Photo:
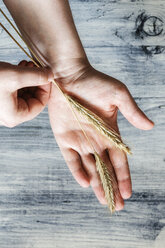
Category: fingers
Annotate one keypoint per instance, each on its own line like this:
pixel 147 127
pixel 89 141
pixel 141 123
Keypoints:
pixel 32 76
pixel 90 167
pixel 74 163
pixel 131 111
pixel 119 203
pixel 95 182
pixel 31 100
pixel 23 63
pixel 26 103
pixel 17 77
pixel 41 93
pixel 29 107
pixel 26 63
pixel 120 164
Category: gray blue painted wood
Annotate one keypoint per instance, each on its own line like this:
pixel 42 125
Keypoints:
pixel 40 203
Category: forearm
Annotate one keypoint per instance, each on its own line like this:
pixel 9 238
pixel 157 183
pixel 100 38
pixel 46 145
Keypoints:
pixel 49 26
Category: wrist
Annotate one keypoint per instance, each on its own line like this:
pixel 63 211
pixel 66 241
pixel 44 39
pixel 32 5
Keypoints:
pixel 67 71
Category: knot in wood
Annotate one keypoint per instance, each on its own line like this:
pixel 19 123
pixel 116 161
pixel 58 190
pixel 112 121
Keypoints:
pixel 153 26
pixel 148 25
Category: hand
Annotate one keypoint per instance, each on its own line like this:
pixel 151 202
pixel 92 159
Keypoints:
pixel 60 48
pixel 24 92
pixel 103 95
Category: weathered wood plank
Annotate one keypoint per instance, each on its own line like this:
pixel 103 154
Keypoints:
pixel 143 75
pixel 40 203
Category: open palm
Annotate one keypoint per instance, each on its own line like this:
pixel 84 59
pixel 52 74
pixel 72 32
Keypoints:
pixel 103 95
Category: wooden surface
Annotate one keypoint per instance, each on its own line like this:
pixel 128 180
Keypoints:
pixel 40 203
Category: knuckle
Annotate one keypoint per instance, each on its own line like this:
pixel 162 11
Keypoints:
pixel 121 88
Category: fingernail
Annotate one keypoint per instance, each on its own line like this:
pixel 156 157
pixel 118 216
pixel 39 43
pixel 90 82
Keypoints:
pixel 126 194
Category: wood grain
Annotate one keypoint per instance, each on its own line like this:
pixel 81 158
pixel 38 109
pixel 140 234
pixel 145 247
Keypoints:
pixel 40 203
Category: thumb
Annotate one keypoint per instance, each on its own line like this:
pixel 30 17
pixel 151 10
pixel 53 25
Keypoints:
pixel 19 77
pixel 27 77
pixel 132 112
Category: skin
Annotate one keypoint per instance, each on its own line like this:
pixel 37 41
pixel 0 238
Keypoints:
pixel 24 92
pixel 103 95
pixel 59 47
